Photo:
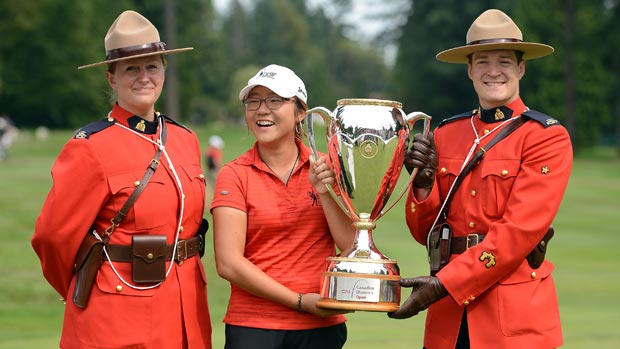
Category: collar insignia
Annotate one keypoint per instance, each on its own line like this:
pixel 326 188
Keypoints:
pixel 499 114
pixel 141 126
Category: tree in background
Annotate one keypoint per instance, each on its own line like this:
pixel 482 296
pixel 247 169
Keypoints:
pixel 44 41
pixel 574 84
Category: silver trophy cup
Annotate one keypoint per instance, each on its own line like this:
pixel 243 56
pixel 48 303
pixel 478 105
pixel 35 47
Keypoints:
pixel 366 144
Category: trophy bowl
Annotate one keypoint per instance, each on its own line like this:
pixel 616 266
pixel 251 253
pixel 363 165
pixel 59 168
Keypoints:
pixel 366 144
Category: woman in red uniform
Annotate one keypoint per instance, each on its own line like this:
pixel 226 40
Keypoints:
pixel 491 293
pixel 275 224
pixel 159 301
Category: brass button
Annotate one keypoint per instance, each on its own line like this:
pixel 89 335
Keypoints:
pixel 533 275
pixel 136 183
pixel 180 263
pixel 472 298
pixel 119 288
pixel 110 119
pixel 412 207
pixel 473 193
pixel 543 243
pixel 443 170
pixel 504 173
pixel 149 256
pixel 201 176
pixel 466 303
pixel 486 131
pixel 472 224
pixel 181 228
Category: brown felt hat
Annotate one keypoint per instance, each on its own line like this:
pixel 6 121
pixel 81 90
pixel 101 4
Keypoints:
pixel 132 36
pixel 494 30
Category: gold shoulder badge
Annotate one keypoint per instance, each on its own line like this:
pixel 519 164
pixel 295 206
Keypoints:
pixel 551 121
pixel 80 135
pixel 489 258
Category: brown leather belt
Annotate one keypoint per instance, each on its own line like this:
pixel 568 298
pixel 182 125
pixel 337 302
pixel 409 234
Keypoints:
pixel 185 249
pixel 460 244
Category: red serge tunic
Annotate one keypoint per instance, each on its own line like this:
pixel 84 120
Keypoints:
pixel 287 237
pixel 93 177
pixel 512 196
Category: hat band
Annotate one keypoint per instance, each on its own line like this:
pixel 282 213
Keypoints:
pixel 135 50
pixel 493 41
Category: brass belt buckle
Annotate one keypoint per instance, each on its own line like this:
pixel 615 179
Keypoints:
pixel 181 251
pixel 474 238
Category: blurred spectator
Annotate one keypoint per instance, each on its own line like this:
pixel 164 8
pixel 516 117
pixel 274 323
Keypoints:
pixel 8 133
pixel 213 158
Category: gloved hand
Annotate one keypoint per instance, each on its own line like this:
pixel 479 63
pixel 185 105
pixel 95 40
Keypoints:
pixel 422 154
pixel 425 290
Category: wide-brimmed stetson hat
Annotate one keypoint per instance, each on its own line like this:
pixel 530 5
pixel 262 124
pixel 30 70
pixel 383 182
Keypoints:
pixel 494 30
pixel 132 36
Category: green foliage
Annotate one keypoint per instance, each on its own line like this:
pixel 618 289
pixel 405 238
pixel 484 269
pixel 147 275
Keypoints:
pixel 577 84
pixel 44 41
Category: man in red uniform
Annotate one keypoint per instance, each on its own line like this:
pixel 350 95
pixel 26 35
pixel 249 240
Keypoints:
pixel 490 294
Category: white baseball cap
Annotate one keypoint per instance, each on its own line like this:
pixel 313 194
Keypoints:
pixel 216 141
pixel 281 80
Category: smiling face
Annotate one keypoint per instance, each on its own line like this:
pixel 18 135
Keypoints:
pixel 272 127
pixel 138 84
pixel 496 76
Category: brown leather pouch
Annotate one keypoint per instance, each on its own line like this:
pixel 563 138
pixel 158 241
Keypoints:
pixel 87 263
pixel 148 258
pixel 537 256
pixel 438 247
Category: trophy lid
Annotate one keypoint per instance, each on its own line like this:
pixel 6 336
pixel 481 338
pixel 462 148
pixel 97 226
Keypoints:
pixel 368 101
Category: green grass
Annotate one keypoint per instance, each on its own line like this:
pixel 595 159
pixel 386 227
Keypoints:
pixel 584 251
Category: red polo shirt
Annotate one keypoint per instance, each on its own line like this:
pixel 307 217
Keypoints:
pixel 287 237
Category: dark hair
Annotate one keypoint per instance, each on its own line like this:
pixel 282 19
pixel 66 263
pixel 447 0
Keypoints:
pixel 300 107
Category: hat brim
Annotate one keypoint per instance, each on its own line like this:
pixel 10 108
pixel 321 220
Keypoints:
pixel 166 52
pixel 243 94
pixel 530 50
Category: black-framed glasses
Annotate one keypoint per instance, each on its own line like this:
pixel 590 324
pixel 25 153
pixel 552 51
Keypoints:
pixel 273 103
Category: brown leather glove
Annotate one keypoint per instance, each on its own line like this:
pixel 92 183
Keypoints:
pixel 422 155
pixel 425 290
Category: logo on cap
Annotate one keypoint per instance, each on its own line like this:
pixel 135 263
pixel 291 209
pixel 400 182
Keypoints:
pixel 267 74
pixel 302 91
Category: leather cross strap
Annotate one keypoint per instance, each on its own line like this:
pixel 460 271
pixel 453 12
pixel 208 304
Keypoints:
pixel 503 133
pixel 153 165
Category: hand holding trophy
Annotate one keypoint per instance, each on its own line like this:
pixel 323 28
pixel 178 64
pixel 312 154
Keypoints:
pixel 366 144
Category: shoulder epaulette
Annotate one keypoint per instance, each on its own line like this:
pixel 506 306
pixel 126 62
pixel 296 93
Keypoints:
pixel 174 122
pixel 92 128
pixel 543 119
pixel 457 117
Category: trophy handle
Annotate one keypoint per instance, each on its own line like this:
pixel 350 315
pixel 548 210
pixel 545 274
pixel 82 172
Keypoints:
pixel 411 119
pixel 326 115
